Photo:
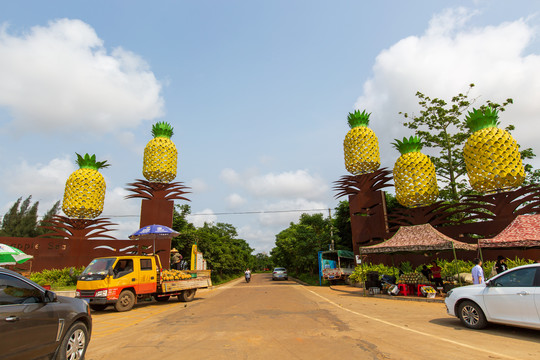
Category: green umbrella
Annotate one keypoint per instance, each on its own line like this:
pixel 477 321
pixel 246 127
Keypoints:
pixel 11 256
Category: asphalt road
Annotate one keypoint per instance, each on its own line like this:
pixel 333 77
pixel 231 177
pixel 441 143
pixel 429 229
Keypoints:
pixel 285 320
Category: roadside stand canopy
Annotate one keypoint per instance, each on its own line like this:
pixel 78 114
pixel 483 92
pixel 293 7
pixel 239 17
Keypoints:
pixel 523 232
pixel 417 238
pixel 12 256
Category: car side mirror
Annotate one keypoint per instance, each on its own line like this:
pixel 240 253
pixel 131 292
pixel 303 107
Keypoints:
pixel 489 283
pixel 49 296
pixel 111 273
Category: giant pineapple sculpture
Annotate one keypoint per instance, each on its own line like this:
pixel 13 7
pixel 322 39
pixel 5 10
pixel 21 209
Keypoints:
pixel 361 146
pixel 491 154
pixel 414 175
pixel 84 192
pixel 160 155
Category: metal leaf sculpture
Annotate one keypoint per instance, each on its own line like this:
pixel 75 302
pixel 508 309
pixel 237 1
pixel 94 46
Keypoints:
pixel 77 229
pixel 503 205
pixel 150 190
pixel 354 184
pixel 437 214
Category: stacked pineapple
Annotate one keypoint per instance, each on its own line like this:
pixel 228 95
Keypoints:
pixel 361 146
pixel 171 275
pixel 491 154
pixel 414 175
pixel 84 192
pixel 160 155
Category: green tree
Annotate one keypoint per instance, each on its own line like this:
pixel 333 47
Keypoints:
pixel 297 246
pixel 342 226
pixel 441 125
pixel 22 219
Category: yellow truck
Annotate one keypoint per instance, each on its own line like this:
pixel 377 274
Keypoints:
pixel 121 281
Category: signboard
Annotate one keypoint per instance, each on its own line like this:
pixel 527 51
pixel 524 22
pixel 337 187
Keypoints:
pixel 358 259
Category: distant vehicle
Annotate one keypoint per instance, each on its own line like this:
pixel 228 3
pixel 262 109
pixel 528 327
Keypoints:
pixel 336 265
pixel 510 298
pixel 35 323
pixel 280 273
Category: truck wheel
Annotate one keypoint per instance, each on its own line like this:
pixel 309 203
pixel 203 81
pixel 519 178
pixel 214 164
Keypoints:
pixel 187 295
pixel 162 298
pixel 125 301
pixel 98 307
pixel 74 343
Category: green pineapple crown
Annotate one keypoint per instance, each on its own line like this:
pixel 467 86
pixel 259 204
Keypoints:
pixel 89 162
pixel 162 129
pixel 479 119
pixel 412 144
pixel 358 118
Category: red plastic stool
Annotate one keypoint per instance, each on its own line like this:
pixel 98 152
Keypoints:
pixel 418 291
pixel 404 289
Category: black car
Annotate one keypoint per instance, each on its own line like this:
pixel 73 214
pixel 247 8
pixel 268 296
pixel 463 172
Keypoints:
pixel 37 324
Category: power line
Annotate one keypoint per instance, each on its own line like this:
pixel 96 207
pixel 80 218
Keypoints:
pixel 236 213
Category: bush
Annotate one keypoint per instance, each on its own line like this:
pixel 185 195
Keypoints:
pixel 57 277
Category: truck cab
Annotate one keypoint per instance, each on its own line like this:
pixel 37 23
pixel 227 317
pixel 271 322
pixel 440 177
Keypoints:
pixel 104 279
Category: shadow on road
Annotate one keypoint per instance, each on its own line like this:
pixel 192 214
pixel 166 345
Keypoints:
pixel 492 329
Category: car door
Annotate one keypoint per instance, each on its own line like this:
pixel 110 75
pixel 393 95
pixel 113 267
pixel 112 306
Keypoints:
pixel 510 298
pixel 147 277
pixel 28 325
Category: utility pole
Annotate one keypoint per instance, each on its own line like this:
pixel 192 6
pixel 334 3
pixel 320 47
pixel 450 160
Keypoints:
pixel 331 229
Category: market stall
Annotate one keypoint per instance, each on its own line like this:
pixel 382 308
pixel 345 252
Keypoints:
pixel 523 232
pixel 417 238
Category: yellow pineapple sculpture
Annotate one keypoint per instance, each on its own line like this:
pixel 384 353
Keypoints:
pixel 361 146
pixel 160 155
pixel 491 154
pixel 414 175
pixel 84 193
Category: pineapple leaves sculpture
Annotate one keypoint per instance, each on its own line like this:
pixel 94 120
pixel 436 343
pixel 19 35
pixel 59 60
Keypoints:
pixel 414 175
pixel 491 154
pixel 160 155
pixel 84 193
pixel 361 146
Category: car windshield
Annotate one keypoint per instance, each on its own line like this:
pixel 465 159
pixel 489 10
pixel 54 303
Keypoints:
pixel 99 267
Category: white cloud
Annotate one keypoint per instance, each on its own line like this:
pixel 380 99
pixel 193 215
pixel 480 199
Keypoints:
pixel 262 240
pixel 443 62
pixel 283 219
pixel 198 186
pixel 45 182
pixel 60 77
pixel 297 183
pixel 235 200
pixel 200 218
pixel 230 176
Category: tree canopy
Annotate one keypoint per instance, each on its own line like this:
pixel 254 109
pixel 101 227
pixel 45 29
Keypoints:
pixel 22 219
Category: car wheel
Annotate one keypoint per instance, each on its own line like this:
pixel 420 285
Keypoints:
pixel 98 307
pixel 125 301
pixel 74 344
pixel 162 298
pixel 471 315
pixel 286 278
pixel 187 295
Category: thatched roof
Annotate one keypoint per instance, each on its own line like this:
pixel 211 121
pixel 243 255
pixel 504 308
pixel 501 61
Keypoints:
pixel 417 238
pixel 524 231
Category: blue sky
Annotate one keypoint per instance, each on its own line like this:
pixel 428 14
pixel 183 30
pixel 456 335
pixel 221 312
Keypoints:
pixel 258 92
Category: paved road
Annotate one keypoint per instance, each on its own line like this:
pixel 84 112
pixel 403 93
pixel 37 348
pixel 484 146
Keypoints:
pixel 285 320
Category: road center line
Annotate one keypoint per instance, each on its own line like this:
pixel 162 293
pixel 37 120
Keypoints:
pixel 409 329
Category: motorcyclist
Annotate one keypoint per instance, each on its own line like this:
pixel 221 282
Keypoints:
pixel 247 274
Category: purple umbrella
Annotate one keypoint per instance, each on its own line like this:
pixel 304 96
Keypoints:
pixel 153 232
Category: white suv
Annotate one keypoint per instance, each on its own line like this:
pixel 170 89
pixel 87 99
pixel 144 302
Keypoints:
pixel 511 298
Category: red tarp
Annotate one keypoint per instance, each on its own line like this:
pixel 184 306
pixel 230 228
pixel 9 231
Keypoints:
pixel 417 238
pixel 524 231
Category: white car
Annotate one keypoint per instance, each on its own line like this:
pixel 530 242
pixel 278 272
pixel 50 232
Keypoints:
pixel 511 298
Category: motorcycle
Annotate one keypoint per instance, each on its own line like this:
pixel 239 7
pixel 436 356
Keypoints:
pixel 248 278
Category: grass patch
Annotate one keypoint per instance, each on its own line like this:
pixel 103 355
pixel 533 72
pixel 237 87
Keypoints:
pixel 218 279
pixel 310 279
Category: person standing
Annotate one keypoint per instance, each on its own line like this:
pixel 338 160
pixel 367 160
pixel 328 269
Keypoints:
pixel 477 272
pixel 175 259
pixel 500 265
pixel 436 274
